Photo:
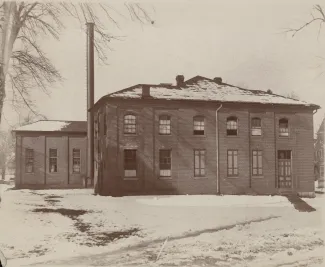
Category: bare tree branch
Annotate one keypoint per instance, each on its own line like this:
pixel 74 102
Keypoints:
pixel 319 18
pixel 22 24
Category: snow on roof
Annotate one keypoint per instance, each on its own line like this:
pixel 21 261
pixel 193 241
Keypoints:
pixel 54 126
pixel 205 89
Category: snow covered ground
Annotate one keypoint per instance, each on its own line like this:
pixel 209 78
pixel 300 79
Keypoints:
pixel 76 228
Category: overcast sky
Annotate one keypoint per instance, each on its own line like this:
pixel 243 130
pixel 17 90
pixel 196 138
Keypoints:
pixel 241 41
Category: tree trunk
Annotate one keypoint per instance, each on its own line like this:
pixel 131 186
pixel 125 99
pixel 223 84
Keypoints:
pixel 2 91
pixel 3 173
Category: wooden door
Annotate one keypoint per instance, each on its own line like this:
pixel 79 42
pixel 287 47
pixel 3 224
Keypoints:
pixel 284 169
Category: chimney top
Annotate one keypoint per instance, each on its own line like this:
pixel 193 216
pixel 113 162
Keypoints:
pixel 218 80
pixel 180 80
pixel 145 90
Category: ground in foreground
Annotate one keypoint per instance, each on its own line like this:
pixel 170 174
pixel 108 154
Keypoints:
pixel 76 228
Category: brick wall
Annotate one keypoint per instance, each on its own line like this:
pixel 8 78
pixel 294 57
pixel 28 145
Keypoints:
pixel 182 142
pixel 41 176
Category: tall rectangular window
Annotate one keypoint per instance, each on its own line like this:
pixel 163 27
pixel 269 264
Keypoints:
pixel 29 160
pixel 130 124
pixel 198 125
pixel 283 127
pixel 76 162
pixel 164 125
pixel 199 162
pixel 257 163
pixel 256 126
pixel 232 163
pixel 165 162
pixel 232 126
pixel 53 166
pixel 130 163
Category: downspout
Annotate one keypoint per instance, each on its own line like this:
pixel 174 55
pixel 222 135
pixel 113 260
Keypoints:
pixel 217 146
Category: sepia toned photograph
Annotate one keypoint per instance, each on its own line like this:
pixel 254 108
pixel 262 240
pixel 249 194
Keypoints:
pixel 162 133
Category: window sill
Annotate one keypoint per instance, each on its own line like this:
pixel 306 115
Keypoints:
pixel 130 134
pixel 232 136
pixel 165 178
pixel 233 177
pixel 257 176
pixel 200 177
pixel 199 135
pixel 130 178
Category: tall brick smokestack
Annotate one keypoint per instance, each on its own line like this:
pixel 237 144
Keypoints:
pixel 90 101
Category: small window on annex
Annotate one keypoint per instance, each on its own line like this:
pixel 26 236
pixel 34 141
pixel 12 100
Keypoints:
pixel 53 160
pixel 76 160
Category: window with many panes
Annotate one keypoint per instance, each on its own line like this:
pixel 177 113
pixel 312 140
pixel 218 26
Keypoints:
pixel 232 163
pixel 29 160
pixel 164 125
pixel 165 162
pixel 257 162
pixel 130 163
pixel 53 160
pixel 198 125
pixel 256 126
pixel 130 124
pixel 232 126
pixel 283 127
pixel 199 162
pixel 76 160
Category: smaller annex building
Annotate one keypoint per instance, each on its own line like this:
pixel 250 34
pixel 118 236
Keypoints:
pixel 51 154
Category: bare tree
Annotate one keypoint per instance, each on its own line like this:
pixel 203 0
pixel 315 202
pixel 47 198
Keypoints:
pixel 23 63
pixel 317 17
pixel 6 151
pixel 293 95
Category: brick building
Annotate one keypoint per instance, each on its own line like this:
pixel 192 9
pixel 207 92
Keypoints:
pixel 319 155
pixel 202 136
pixel 51 154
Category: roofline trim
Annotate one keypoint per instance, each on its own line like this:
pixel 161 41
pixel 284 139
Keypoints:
pixel 314 106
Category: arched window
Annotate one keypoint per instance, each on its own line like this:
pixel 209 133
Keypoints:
pixel 130 124
pixel 198 125
pixel 232 126
pixel 283 127
pixel 164 124
pixel 256 126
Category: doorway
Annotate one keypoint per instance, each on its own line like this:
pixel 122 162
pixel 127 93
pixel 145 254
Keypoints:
pixel 284 169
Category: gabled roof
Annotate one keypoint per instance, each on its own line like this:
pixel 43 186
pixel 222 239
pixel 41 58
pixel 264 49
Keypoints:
pixel 54 126
pixel 205 89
